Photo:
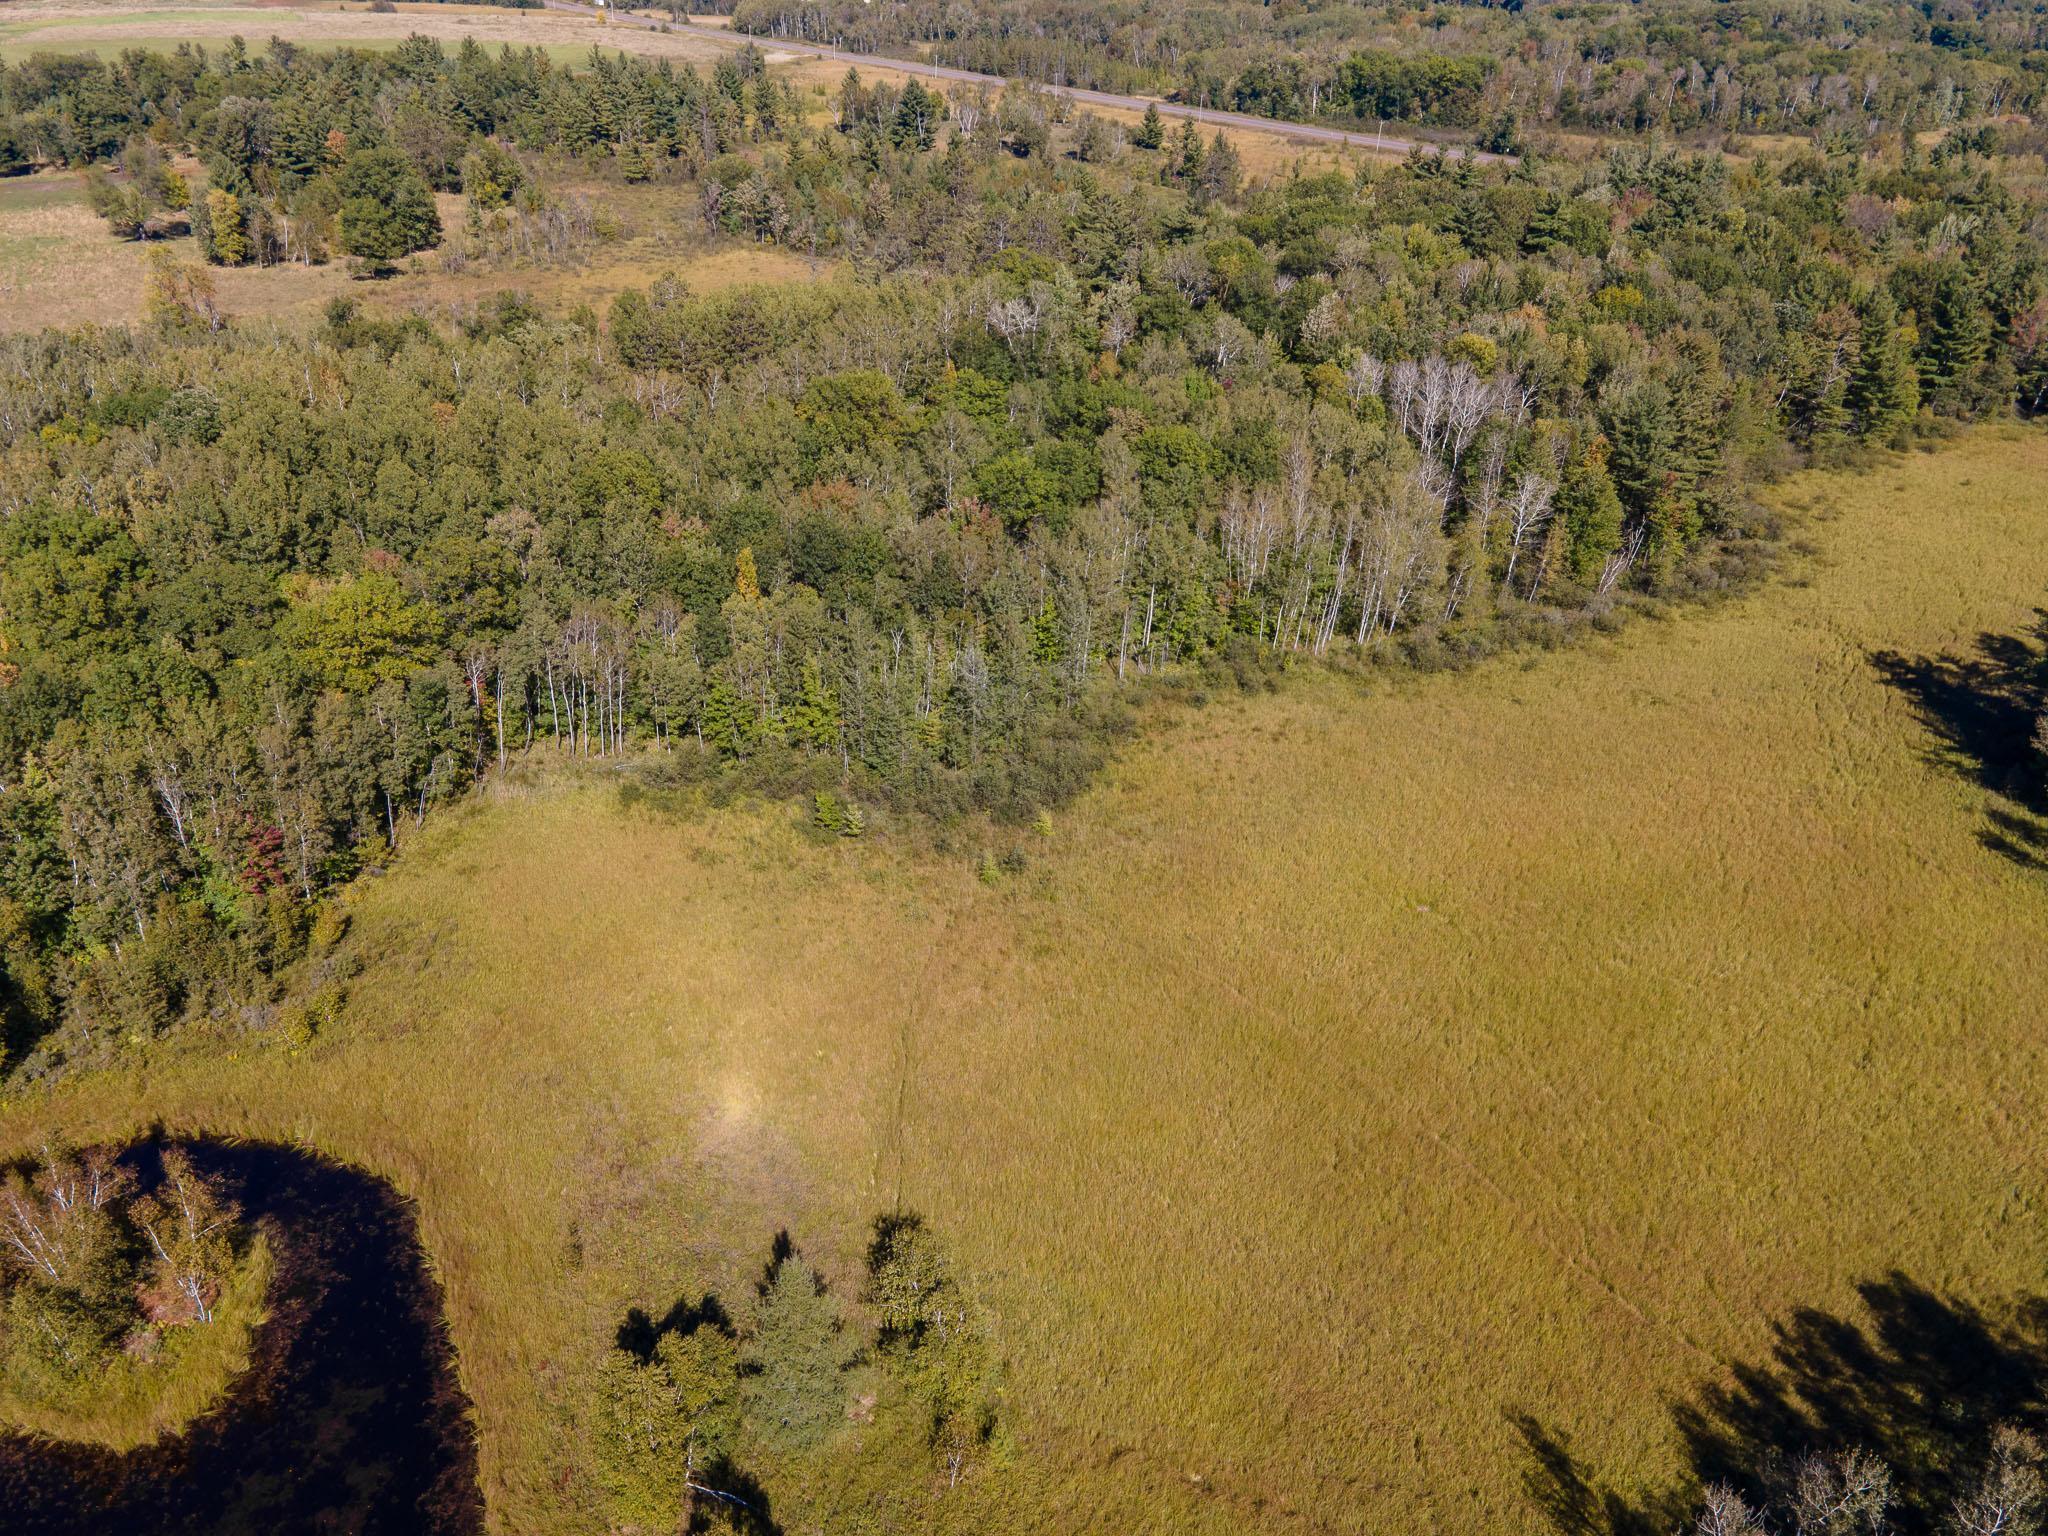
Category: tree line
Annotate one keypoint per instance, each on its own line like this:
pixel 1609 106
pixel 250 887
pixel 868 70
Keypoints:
pixel 1082 412
pixel 1827 66
pixel 306 153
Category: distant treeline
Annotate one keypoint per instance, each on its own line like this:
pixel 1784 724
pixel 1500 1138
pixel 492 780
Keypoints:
pixel 1823 66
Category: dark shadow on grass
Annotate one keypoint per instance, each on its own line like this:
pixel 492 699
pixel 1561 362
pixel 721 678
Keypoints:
pixel 1919 1379
pixel 639 1332
pixel 1982 709
pixel 2017 836
pixel 739 1504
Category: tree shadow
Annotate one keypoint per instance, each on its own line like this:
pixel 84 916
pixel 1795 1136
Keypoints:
pixel 1921 1380
pixel 740 1502
pixel 639 1333
pixel 2017 836
pixel 1982 708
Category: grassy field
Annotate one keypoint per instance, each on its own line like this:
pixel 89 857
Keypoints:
pixel 107 26
pixel 1354 1069
pixel 59 266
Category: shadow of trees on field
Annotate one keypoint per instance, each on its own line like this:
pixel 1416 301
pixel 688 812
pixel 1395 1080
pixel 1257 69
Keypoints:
pixel 1982 709
pixel 639 1332
pixel 1920 1379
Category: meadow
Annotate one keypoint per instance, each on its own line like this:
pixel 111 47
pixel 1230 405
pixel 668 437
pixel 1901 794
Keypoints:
pixel 59 266
pixel 1305 1109
pixel 77 26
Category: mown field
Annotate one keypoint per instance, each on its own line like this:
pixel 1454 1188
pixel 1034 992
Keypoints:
pixel 1355 1069
pixel 107 26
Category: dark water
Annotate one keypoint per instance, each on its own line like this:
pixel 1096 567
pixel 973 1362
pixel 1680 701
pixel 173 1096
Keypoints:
pixel 349 1419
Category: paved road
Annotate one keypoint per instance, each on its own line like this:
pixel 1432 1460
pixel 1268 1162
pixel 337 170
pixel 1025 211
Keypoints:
pixel 1315 133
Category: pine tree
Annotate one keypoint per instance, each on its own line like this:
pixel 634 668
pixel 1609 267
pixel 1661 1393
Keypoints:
pixel 1643 434
pixel 853 101
pixel 916 122
pixel 1590 512
pixel 1884 390
pixel 1151 133
pixel 726 723
pixel 1220 170
pixel 767 109
pixel 1957 341
pixel 797 1355
pixel 1547 228
pixel 660 1425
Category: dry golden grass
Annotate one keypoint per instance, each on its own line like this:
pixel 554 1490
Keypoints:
pixel 1351 1067
pixel 27 26
pixel 60 267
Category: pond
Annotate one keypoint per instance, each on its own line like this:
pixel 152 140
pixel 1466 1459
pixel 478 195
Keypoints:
pixel 349 1418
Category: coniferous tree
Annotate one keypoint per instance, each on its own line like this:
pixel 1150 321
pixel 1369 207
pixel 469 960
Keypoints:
pixel 386 209
pixel 1884 389
pixel 1957 337
pixel 1590 512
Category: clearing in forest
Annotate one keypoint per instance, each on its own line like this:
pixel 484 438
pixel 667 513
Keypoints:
pixel 60 267
pixel 1356 1069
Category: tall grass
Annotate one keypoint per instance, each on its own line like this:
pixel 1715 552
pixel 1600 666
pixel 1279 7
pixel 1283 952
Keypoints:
pixel 1352 1069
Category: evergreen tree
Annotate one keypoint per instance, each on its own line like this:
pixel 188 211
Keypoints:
pixel 661 1424
pixel 1957 338
pixel 727 724
pixel 1220 171
pixel 797 1353
pixel 1589 509
pixel 813 717
pixel 1151 132
pixel 1884 389
pixel 853 102
pixel 917 118
pixel 1642 431
pixel 386 209
pixel 226 241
